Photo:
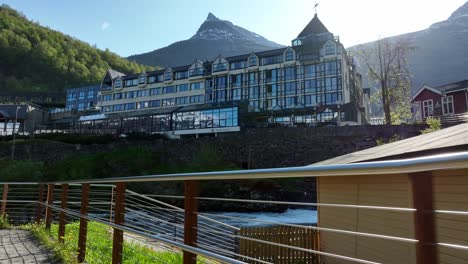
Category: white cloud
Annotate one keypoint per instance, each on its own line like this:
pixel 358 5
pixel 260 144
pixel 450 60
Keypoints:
pixel 105 25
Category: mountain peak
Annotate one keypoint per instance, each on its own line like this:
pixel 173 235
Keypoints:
pixel 462 11
pixel 211 17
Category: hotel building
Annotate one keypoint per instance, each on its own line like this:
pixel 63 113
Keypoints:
pixel 313 82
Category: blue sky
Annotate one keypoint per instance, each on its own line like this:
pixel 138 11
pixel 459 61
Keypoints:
pixel 132 27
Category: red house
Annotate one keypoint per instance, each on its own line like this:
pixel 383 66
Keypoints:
pixel 440 101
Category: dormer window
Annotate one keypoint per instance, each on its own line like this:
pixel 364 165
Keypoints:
pixel 142 79
pixel 168 76
pixel 196 69
pixel 289 55
pixel 330 49
pixel 296 42
pixel 118 83
pixel 196 72
pixel 220 67
pixel 253 61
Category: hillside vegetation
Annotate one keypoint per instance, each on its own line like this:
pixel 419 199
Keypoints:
pixel 36 58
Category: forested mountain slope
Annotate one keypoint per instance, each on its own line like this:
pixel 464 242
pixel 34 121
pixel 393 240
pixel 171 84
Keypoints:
pixel 36 58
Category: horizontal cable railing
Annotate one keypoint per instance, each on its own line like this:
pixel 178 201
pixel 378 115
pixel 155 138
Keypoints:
pixel 352 201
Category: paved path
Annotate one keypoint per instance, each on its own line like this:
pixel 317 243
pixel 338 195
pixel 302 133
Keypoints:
pixel 20 246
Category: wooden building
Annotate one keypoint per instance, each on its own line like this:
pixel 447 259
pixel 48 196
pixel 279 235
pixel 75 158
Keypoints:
pixel 445 190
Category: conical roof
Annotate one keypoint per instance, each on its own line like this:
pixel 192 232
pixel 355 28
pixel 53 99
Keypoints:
pixel 314 27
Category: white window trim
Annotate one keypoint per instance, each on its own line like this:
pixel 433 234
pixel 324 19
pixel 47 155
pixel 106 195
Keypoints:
pixel 425 115
pixel 443 107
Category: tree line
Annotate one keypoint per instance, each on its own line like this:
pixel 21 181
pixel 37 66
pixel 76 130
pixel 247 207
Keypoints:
pixel 36 58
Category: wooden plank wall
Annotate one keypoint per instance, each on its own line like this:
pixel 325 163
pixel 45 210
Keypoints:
pixel 382 190
pixel 293 236
pixel 451 193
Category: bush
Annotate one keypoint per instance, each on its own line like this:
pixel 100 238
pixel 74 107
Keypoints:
pixel 21 170
pixel 434 125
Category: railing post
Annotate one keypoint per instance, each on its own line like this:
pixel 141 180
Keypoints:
pixel 40 200
pixel 50 202
pixel 83 222
pixel 424 222
pixel 4 199
pixel 119 218
pixel 62 215
pixel 190 219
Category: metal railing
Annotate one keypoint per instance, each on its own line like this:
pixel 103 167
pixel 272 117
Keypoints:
pixel 153 222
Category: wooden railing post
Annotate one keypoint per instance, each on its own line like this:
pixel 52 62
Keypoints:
pixel 119 218
pixel 4 199
pixel 50 202
pixel 424 222
pixel 83 222
pixel 62 215
pixel 40 200
pixel 190 219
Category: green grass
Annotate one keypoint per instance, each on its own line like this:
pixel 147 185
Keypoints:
pixel 99 245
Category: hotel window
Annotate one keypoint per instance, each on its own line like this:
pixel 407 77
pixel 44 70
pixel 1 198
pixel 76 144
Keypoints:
pixel 330 84
pixel 428 108
pixel 290 102
pixel 196 72
pixel 130 94
pixel 71 97
pixel 80 106
pixel 330 49
pixel 133 82
pixel 155 103
pixel 237 65
pixel 118 83
pixel 168 76
pixel 290 88
pixel 289 56
pixel 168 102
pixel 142 93
pixel 141 105
pixel 447 105
pixel 82 93
pixel 236 80
pixel 253 61
pixel 182 100
pixel 196 99
pixel 309 71
pixel 330 68
pixel 270 75
pixel 310 86
pixel 168 89
pixel 142 79
pixel 155 91
pixel 253 78
pixel 119 107
pixel 236 94
pixel 271 90
pixel 160 78
pixel 183 87
pixel 221 96
pixel 152 79
pixel 181 75
pixel 311 100
pixel 107 97
pixel 117 96
pixel 90 94
pixel 221 82
pixel 196 86
pixel 130 106
pixel 290 73
pixel 220 67
pixel 272 60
